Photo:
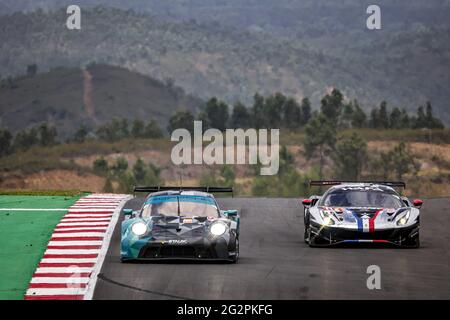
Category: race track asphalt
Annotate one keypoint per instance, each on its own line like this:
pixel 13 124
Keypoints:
pixel 275 263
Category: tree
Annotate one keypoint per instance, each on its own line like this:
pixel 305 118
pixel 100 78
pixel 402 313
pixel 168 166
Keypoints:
pixel 5 142
pixel 137 128
pixel 403 160
pixel 125 182
pixel 421 121
pixel 331 105
pixel 396 162
pixel 47 135
pixel 240 117
pixel 350 157
pixel 152 176
pixel 320 137
pixel 122 125
pixel 215 114
pixel 374 118
pixel 346 115
pixel 225 178
pixel 139 171
pixel 100 167
pixel 228 176
pixel 383 118
pixel 181 119
pixel 152 130
pixel 405 121
pixel 257 111
pixel 209 178
pixel 287 183
pixel 382 164
pixel 359 117
pixel 81 134
pixel 113 130
pixel 291 114
pixel 119 167
pixel 395 118
pixel 305 111
pixel 431 121
pixel 26 139
pixel 273 109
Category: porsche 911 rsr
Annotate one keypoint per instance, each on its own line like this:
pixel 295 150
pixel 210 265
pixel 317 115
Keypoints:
pixel 369 212
pixel 180 224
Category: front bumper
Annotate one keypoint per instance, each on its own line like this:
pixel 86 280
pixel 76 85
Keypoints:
pixel 326 236
pixel 198 249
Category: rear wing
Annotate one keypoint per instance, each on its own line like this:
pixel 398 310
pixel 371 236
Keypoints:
pixel 168 188
pixel 394 184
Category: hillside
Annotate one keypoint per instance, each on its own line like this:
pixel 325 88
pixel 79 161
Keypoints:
pixel 406 63
pixel 69 97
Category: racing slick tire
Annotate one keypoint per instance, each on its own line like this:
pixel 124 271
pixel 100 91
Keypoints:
pixel 312 242
pixel 307 234
pixel 235 258
pixel 412 243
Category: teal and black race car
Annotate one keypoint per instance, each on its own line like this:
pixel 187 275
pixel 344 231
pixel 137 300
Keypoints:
pixel 180 223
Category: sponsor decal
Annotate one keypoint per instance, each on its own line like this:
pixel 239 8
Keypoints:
pixel 177 242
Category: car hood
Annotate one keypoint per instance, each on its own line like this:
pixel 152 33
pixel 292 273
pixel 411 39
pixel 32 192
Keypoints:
pixel 364 218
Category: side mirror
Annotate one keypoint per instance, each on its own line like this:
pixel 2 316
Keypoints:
pixel 127 212
pixel 418 203
pixel 307 202
pixel 231 213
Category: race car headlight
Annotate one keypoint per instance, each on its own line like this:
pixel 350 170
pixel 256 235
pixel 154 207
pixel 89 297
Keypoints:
pixel 218 228
pixel 139 228
pixel 326 218
pixel 327 221
pixel 404 219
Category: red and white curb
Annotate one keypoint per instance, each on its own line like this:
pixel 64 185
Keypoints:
pixel 74 256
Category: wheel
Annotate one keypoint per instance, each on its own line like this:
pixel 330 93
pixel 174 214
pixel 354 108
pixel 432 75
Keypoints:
pixel 307 231
pixel 307 234
pixel 413 243
pixel 235 258
pixel 312 241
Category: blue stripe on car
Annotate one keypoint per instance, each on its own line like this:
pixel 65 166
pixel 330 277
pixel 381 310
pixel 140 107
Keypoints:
pixel 359 222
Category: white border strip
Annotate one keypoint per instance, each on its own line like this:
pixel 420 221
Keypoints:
pixel 104 249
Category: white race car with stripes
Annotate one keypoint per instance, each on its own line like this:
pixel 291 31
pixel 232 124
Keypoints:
pixel 354 212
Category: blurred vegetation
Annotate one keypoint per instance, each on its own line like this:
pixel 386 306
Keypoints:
pixel 141 174
pixel 287 183
pixel 334 139
pixel 225 176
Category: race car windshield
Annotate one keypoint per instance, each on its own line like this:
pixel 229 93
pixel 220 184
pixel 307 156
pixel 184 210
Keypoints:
pixel 180 205
pixel 357 198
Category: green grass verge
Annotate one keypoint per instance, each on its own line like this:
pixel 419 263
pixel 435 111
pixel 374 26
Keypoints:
pixel 24 236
